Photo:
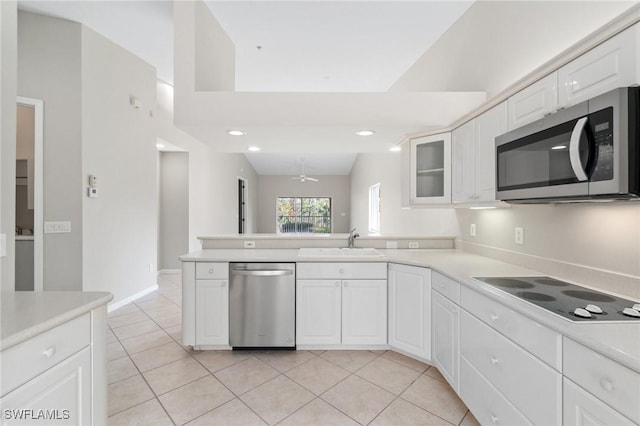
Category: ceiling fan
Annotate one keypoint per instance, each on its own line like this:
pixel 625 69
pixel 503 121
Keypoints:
pixel 302 177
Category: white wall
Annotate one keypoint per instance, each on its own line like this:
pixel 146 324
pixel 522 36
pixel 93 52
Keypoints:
pixel 49 69
pixel 213 178
pixel 215 55
pixel 173 233
pixel 496 43
pixel 8 93
pixel 119 147
pixel 386 169
pixel 272 187
pixel 605 237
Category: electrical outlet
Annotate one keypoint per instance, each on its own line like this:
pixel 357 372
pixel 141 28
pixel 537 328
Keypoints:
pixel 151 267
pixel 392 244
pixel 249 244
pixel 519 236
pixel 472 230
pixel 414 244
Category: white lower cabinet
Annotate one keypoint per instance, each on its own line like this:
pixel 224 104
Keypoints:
pixel 583 409
pixel 341 304
pixel 486 403
pixel 446 333
pixel 410 310
pixel 318 312
pixel 212 312
pixel 61 394
pixel 347 312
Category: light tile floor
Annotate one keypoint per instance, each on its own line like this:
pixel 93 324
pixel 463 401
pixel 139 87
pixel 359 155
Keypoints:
pixel 154 380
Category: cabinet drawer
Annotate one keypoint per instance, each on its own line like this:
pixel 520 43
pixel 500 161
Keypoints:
pixel 446 286
pixel 544 343
pixel 212 270
pixel 44 351
pixel 485 402
pixel 613 383
pixel 345 270
pixel 533 388
pixel 582 408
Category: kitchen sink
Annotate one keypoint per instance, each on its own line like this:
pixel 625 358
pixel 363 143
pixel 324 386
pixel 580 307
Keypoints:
pixel 339 252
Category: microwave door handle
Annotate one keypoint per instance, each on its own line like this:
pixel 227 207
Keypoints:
pixel 574 150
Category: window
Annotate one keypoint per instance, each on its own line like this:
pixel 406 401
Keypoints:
pixel 300 214
pixel 374 208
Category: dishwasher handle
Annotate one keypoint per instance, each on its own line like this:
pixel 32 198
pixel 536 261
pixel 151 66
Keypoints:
pixel 262 272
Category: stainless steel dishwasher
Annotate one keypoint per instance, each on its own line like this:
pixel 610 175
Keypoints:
pixel 262 305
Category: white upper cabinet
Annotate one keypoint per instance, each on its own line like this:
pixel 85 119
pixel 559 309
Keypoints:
pixel 431 169
pixel 463 186
pixel 609 65
pixel 473 152
pixel 489 125
pixel 534 102
pixel 612 64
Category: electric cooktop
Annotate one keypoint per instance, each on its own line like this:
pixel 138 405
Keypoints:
pixel 567 300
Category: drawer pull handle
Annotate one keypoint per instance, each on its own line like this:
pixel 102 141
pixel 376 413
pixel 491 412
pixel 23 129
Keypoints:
pixel 210 270
pixel 494 360
pixel 223 284
pixel 341 271
pixel 49 352
pixel 494 419
pixel 606 385
pixel 494 317
pixel 346 284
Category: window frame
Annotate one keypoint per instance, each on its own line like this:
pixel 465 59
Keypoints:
pixel 301 198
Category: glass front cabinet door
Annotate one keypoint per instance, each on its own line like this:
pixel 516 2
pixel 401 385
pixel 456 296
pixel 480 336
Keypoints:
pixel 431 169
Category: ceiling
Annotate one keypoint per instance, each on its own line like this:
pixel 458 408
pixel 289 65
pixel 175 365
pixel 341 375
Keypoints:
pixel 305 47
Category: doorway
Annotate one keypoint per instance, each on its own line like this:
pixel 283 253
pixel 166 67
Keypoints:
pixel 242 205
pixel 29 256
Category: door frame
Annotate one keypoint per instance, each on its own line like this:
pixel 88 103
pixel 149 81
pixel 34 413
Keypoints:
pixel 38 190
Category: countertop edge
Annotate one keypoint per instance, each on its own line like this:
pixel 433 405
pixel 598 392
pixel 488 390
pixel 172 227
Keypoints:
pixel 27 333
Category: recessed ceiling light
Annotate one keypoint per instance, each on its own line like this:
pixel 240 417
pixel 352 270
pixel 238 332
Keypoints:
pixel 395 148
pixel 254 148
pixel 159 145
pixel 365 132
pixel 236 132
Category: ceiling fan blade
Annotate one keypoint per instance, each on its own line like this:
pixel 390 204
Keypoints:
pixel 311 179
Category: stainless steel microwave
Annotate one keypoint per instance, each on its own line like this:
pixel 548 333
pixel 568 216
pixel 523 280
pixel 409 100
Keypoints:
pixel 589 151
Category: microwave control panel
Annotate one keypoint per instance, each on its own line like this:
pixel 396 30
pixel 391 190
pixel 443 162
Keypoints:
pixel 601 123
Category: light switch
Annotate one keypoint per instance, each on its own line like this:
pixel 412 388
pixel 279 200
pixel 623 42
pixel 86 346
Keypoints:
pixel 57 227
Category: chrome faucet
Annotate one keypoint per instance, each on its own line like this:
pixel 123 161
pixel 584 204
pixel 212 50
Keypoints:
pixel 353 234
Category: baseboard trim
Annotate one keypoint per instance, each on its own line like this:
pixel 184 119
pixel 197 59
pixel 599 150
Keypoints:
pixel 120 303
pixel 169 271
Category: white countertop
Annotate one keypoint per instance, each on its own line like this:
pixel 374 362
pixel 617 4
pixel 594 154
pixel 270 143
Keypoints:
pixel 618 341
pixel 25 314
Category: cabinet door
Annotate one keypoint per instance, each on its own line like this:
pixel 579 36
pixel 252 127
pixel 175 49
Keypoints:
pixel 364 312
pixel 445 317
pixel 410 310
pixel 463 163
pixel 431 169
pixel 580 408
pixel 63 392
pixel 487 126
pixel 533 102
pixel 607 66
pixel 212 312
pixel 318 312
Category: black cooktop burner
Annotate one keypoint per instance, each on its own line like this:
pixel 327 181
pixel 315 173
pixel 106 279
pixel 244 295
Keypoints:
pixel 563 298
